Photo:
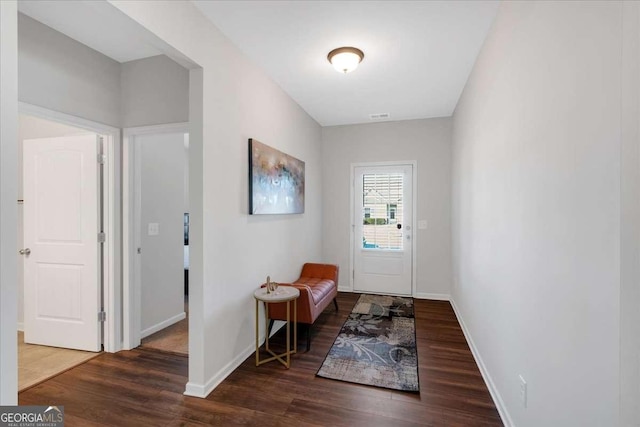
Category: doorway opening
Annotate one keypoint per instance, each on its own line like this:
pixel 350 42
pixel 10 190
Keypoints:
pixel 157 211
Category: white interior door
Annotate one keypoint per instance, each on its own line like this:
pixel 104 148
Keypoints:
pixel 61 225
pixel 382 221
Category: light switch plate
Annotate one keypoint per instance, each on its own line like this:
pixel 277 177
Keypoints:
pixel 422 224
pixel 153 229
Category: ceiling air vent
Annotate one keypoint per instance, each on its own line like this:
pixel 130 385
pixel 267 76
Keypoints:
pixel 379 116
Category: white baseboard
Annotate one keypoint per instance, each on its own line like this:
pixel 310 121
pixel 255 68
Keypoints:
pixel 21 326
pixel 345 289
pixel 437 297
pixel 164 324
pixel 495 395
pixel 203 390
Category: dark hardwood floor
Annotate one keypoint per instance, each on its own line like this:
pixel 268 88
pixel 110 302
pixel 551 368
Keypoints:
pixel 144 387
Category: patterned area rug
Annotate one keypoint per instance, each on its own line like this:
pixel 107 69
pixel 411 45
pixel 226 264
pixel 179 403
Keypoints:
pixel 376 345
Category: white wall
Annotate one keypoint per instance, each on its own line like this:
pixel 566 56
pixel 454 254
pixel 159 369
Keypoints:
pixel 162 171
pixel 154 91
pixel 30 127
pixel 536 211
pixel 426 141
pixel 58 73
pixel 630 218
pixel 61 74
pixel 8 197
pixel 232 252
pixel 185 156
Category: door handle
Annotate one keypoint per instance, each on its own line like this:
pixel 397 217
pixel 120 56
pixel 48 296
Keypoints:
pixel 25 251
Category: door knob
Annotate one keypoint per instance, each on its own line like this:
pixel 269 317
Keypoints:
pixel 25 251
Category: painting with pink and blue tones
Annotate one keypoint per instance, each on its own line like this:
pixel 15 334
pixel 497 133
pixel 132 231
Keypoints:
pixel 276 181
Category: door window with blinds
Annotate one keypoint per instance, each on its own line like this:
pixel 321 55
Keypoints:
pixel 382 211
pixel 382 228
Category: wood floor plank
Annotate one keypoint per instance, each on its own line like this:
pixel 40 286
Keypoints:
pixel 144 387
pixel 306 411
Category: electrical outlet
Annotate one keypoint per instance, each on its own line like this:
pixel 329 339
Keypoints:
pixel 153 229
pixel 523 391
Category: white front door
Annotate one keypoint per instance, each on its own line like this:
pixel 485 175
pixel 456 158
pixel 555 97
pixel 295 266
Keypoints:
pixel 62 253
pixel 383 229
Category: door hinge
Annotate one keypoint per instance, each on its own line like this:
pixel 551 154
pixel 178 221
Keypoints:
pixel 102 159
pixel 102 237
pixel 102 316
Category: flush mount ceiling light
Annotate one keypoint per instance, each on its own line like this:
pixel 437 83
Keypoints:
pixel 345 59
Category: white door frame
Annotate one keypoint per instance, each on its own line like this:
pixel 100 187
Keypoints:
pixel 414 167
pixel 111 209
pixel 132 289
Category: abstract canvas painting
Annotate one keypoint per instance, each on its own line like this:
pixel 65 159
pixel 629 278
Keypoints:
pixel 276 181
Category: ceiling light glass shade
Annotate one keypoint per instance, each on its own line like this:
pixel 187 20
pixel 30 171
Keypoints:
pixel 345 59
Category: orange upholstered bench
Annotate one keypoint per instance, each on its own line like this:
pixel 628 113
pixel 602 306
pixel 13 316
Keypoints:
pixel 318 286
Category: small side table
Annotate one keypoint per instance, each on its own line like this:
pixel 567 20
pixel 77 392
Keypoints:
pixel 282 294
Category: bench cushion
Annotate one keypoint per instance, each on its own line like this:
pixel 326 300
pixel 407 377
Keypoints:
pixel 319 288
pixel 318 285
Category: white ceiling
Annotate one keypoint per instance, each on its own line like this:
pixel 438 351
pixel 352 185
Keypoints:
pixel 418 54
pixel 95 24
